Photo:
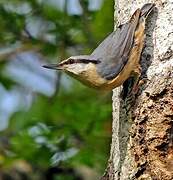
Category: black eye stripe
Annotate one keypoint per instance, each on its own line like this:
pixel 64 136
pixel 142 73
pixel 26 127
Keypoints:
pixel 70 61
pixel 86 61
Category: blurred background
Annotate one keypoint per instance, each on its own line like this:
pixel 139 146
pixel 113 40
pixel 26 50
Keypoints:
pixel 51 126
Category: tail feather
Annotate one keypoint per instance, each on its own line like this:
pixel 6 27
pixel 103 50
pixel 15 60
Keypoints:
pixel 146 9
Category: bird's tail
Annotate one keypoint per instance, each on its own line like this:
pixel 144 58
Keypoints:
pixel 146 9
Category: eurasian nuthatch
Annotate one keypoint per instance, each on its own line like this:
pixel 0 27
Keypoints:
pixel 115 59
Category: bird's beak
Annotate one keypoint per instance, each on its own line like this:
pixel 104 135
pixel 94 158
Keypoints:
pixel 53 66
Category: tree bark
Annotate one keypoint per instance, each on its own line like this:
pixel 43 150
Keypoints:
pixel 142 129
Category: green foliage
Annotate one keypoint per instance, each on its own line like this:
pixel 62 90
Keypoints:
pixel 103 24
pixel 72 127
pixel 79 123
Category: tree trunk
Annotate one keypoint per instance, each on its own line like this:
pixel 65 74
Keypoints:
pixel 142 130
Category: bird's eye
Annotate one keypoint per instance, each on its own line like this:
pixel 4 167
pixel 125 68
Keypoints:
pixel 71 61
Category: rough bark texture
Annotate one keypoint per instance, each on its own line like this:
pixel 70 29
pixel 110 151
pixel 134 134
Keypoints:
pixel 142 132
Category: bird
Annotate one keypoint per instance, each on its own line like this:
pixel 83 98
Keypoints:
pixel 115 59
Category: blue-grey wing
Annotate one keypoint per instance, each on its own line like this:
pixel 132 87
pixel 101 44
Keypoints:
pixel 114 51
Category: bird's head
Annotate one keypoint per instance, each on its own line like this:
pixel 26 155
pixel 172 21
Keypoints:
pixel 75 65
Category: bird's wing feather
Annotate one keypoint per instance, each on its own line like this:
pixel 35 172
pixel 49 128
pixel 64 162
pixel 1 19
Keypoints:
pixel 114 51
